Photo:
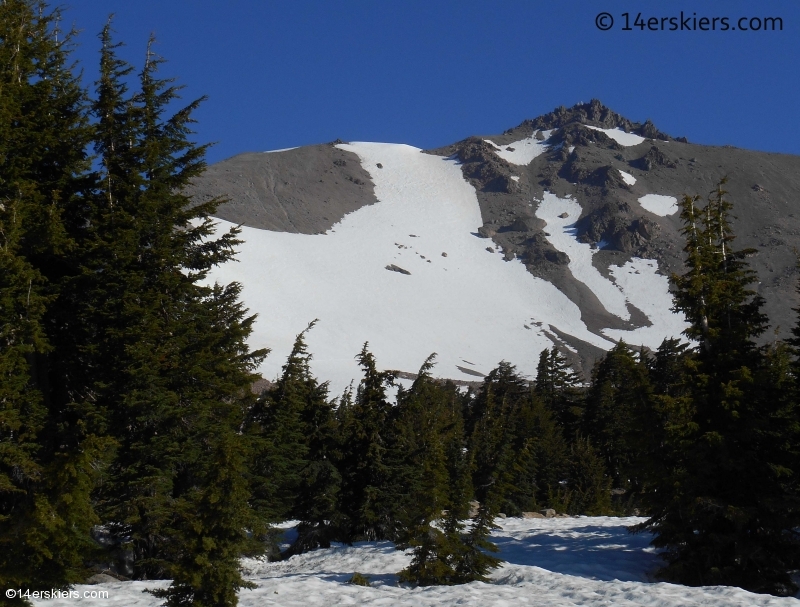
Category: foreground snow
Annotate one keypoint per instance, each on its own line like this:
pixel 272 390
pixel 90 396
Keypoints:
pixel 563 562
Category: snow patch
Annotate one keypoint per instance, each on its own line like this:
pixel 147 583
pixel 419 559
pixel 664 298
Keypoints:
pixel 280 150
pixel 620 136
pixel 561 232
pixel 522 152
pixel 659 205
pixel 627 177
pixel 649 292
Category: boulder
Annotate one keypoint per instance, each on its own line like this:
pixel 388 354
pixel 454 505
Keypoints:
pixel 532 515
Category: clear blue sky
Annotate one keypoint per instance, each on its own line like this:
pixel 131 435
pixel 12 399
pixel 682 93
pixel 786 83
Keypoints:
pixel 428 73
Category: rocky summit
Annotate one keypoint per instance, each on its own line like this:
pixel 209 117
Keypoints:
pixel 561 231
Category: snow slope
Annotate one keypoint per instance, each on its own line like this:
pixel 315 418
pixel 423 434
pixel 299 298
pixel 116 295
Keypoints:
pixel 523 151
pixel 561 562
pixel 411 276
pixel 468 306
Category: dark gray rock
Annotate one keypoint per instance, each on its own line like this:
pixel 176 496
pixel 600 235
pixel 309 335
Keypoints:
pixel 304 190
pixel 395 268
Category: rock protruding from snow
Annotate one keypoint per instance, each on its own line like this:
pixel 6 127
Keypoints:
pixel 522 152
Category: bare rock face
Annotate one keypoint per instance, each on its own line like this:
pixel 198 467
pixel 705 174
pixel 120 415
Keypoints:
pixel 654 158
pixel 305 190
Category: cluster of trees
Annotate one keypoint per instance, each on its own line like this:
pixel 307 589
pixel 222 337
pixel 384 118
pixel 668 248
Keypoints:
pixel 130 437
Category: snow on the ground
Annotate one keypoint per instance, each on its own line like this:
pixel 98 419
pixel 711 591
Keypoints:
pixel 561 234
pixel 659 205
pixel 637 282
pixel 280 150
pixel 620 136
pixel 523 151
pixel 649 292
pixel 627 177
pixel 559 562
pixel 470 305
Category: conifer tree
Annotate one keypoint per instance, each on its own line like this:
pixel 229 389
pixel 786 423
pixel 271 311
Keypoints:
pixel 48 447
pixel 365 502
pixel 725 512
pixel 620 390
pixel 296 458
pixel 559 387
pixel 174 369
pixel 428 446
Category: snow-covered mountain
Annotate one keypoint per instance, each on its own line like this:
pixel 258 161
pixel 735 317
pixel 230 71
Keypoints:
pixel 562 231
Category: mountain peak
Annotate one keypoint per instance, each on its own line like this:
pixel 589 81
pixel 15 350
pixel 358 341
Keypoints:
pixel 593 113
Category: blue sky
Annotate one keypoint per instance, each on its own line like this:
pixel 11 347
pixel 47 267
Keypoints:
pixel 428 73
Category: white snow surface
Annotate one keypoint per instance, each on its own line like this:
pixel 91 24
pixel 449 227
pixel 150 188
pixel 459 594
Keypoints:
pixel 524 150
pixel 471 305
pixel 558 562
pixel 620 136
pixel 627 177
pixel 561 232
pixel 649 292
pixel 659 205
pixel 637 282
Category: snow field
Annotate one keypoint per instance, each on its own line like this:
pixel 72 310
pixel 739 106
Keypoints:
pixel 524 150
pixel 561 562
pixel 452 292
pixel 620 136
pixel 648 291
pixel 471 305
pixel 659 205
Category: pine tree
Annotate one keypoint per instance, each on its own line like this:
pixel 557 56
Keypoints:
pixel 725 512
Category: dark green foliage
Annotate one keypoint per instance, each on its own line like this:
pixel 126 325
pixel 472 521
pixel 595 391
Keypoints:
pixel 620 390
pixel 48 452
pixel 173 369
pixel 559 388
pixel 474 562
pixel 724 506
pixel 433 492
pixel 365 502
pixel 295 459
pixel 586 488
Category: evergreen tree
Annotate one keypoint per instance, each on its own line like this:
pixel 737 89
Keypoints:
pixel 436 479
pixel 725 512
pixel 296 458
pixel 559 387
pixel 587 487
pixel 173 366
pixel 365 502
pixel 49 452
pixel 619 391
